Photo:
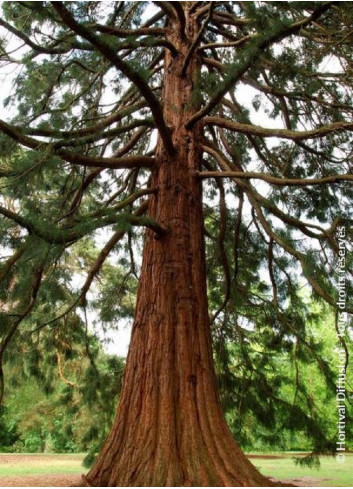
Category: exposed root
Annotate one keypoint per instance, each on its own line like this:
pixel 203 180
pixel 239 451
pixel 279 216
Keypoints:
pixel 84 482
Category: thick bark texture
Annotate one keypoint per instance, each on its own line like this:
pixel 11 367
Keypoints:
pixel 170 429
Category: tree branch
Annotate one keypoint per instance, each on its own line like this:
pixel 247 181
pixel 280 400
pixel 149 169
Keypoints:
pixel 173 10
pixel 6 267
pixel 196 42
pixel 95 269
pixel 250 129
pixel 109 53
pixel 52 234
pixel 251 54
pixel 127 162
pixel 298 182
pixel 110 119
pixel 270 206
pixel 142 31
pixel 31 44
pixel 37 280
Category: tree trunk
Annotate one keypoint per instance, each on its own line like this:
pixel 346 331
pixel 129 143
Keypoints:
pixel 170 429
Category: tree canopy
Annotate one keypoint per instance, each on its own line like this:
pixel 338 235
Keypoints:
pixel 89 123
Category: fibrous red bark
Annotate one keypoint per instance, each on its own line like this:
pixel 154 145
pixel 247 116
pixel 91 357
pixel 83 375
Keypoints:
pixel 170 429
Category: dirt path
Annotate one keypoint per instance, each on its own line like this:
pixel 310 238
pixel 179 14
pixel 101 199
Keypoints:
pixel 74 480
pixel 41 481
pixel 17 463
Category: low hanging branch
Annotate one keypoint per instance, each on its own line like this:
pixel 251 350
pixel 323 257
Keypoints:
pixel 68 235
pixel 301 257
pixel 97 266
pixel 37 280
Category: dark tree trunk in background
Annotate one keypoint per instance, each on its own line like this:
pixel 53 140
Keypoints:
pixel 170 429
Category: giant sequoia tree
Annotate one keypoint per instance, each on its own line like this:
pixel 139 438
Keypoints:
pixel 134 117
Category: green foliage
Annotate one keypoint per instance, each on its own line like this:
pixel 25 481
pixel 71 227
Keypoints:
pixel 65 418
pixel 8 434
pixel 276 356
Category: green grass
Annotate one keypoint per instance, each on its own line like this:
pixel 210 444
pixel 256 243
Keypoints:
pixel 40 464
pixel 330 473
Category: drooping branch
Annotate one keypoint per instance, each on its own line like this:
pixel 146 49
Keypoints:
pixel 301 257
pixel 270 260
pixel 238 223
pixel 109 53
pixel 76 158
pixel 304 227
pixel 296 182
pixel 257 201
pixel 257 46
pixel 250 129
pixel 96 172
pixel 52 234
pixel 61 372
pixel 31 301
pixel 115 116
pixel 97 265
pixel 222 251
pixel 67 46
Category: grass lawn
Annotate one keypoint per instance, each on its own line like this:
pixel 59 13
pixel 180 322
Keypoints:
pixel 21 464
pixel 330 473
pixel 278 465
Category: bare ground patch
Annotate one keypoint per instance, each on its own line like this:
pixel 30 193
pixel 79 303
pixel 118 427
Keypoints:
pixel 9 459
pixel 76 480
pixel 41 481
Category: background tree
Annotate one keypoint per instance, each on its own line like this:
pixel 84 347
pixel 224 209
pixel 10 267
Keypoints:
pixel 98 84
pixel 57 399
